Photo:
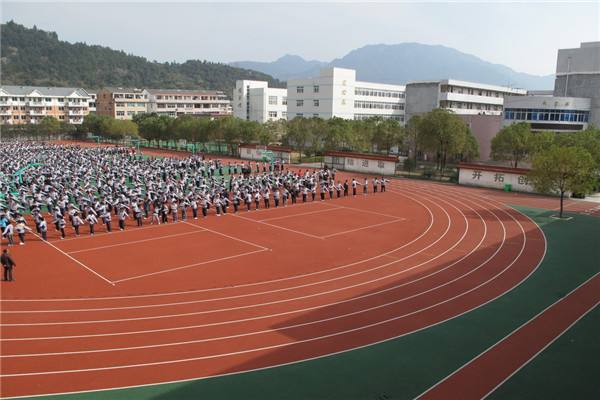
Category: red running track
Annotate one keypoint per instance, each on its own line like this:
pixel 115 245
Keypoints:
pixel 224 295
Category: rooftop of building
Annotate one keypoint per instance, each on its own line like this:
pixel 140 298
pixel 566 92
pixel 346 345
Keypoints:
pixel 474 85
pixel 43 91
pixel 201 92
pixel 122 90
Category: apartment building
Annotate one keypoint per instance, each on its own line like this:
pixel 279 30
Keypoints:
pixel 176 102
pixel 92 102
pixel 337 93
pixel 461 97
pixel 31 104
pixel 121 103
pixel 256 101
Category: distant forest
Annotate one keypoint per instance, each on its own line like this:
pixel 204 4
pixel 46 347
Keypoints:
pixel 38 58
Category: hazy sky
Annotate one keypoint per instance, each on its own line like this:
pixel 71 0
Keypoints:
pixel 522 35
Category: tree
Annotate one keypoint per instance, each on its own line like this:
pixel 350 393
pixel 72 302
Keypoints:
pixel 49 126
pixel 299 135
pixel 470 149
pixel 443 133
pixel 563 169
pixel 512 144
pixel 413 136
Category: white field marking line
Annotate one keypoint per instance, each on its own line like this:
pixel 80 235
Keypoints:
pixel 290 312
pixel 74 259
pixel 371 212
pixel 297 215
pixel 364 227
pixel 102 233
pixel 337 352
pixel 136 241
pixel 252 294
pixel 227 236
pixel 189 266
pixel 339 302
pixel 279 227
pixel 510 334
pixel 431 221
pixel 340 333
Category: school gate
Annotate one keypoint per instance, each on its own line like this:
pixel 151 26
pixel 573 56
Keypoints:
pixel 509 179
pixel 259 153
pixel 361 162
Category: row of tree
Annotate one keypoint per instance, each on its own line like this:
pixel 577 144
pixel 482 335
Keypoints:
pixel 560 162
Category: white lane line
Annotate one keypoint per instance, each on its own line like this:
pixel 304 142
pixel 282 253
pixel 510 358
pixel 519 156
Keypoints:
pixel 279 227
pixel 510 334
pixel 297 215
pixel 364 227
pixel 136 241
pixel 448 219
pixel 227 236
pixel 287 344
pixel 484 224
pixel 371 212
pixel 358 347
pixel 103 233
pixel 294 277
pixel 190 266
pixel 76 260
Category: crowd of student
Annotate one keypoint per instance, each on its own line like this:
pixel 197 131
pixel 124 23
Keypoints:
pixel 80 186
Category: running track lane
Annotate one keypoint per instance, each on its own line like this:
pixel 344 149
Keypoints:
pixel 331 347
pixel 485 373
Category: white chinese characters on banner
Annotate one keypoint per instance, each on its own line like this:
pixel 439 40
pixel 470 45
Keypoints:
pixel 495 179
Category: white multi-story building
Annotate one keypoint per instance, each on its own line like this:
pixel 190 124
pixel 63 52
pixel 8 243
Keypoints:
pixel 31 104
pixel 92 102
pixel 176 102
pixel 256 101
pixel 337 93
pixel 463 98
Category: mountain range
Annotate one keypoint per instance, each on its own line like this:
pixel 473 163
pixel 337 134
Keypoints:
pixel 404 62
pixel 31 56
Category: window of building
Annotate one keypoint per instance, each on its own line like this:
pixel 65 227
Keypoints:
pixel 284 101
pixel 299 115
pixel 299 103
pixel 316 115
pixel 273 100
pixel 272 114
pixel 120 113
pixel 284 114
pixel 299 89
pixel 316 88
pixel 316 103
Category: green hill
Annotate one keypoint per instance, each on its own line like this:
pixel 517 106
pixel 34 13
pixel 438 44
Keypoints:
pixel 36 57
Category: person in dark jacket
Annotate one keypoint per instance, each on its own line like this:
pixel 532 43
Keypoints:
pixel 8 264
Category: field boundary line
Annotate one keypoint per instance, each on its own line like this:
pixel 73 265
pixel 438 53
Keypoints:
pixel 137 241
pixel 190 265
pixel 76 260
pixel 279 227
pixel 364 227
pixel 227 236
pixel 298 215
